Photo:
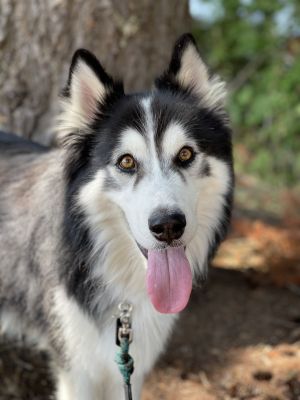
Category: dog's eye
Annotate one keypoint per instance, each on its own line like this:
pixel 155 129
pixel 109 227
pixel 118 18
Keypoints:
pixel 127 163
pixel 185 156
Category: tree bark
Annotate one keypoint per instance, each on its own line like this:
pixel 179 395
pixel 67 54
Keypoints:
pixel 132 39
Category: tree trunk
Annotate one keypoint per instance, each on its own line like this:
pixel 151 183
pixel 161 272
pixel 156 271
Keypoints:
pixel 132 39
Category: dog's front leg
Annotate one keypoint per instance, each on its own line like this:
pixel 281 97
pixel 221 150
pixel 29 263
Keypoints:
pixel 76 385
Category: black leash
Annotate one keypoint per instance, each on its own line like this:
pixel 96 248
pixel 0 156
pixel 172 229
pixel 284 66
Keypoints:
pixel 123 339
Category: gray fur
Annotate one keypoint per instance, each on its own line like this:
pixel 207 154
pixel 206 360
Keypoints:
pixel 31 205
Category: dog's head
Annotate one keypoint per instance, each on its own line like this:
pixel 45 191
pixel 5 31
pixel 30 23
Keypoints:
pixel 150 172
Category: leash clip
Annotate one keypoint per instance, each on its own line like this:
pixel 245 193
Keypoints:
pixel 123 329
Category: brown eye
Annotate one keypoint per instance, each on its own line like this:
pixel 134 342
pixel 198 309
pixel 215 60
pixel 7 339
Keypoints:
pixel 185 154
pixel 127 163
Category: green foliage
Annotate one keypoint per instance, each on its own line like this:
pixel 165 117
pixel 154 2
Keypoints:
pixel 253 44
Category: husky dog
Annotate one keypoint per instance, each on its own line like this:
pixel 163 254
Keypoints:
pixel 130 208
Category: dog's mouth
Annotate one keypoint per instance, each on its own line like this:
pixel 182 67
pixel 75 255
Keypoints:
pixel 169 278
pixel 143 250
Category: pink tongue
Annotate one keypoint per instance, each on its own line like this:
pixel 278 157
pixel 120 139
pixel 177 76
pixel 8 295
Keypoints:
pixel 169 279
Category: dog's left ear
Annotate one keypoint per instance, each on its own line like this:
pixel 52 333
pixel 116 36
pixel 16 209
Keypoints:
pixel 187 72
pixel 89 89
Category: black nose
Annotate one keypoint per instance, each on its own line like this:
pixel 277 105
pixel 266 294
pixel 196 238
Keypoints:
pixel 167 227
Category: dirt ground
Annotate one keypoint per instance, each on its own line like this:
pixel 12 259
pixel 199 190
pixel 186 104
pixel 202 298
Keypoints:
pixel 238 339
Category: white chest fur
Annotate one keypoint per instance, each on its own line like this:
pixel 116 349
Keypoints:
pixel 92 348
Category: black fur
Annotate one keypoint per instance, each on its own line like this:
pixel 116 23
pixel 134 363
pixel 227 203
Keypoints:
pixel 212 134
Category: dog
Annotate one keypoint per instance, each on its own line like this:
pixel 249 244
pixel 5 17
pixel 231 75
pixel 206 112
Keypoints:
pixel 130 206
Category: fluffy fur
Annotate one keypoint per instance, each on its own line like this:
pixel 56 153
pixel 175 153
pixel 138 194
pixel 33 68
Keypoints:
pixel 73 224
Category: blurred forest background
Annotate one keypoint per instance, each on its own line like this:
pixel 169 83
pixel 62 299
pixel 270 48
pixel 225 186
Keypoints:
pixel 240 337
pixel 255 46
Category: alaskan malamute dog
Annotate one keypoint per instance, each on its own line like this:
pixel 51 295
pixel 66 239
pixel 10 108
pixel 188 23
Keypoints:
pixel 130 208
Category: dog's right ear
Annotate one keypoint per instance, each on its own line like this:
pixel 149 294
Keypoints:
pixel 89 89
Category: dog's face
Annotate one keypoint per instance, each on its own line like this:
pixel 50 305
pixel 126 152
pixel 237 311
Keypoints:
pixel 160 162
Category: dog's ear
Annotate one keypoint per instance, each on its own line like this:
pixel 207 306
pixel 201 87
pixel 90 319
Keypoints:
pixel 89 89
pixel 187 72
